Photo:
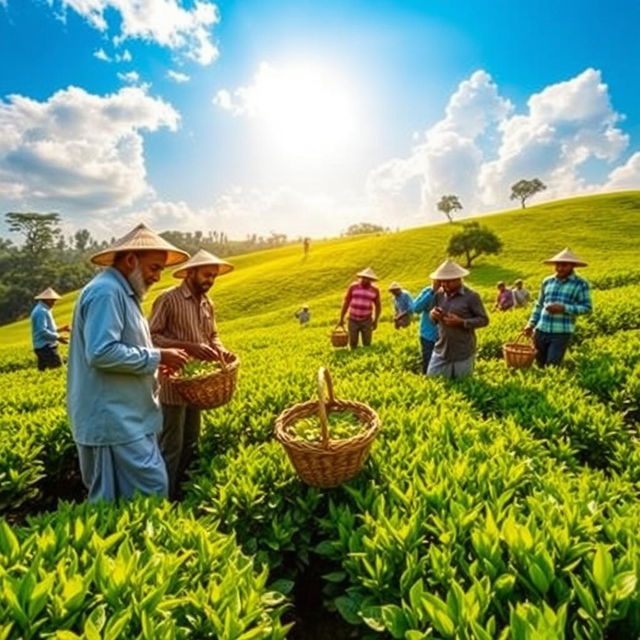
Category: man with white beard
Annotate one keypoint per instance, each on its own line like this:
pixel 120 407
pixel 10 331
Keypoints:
pixel 112 387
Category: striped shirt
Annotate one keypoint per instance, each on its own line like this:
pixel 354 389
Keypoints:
pixel 362 301
pixel 574 293
pixel 179 315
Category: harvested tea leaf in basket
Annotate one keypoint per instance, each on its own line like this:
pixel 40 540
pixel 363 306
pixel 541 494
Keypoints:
pixel 342 425
pixel 197 368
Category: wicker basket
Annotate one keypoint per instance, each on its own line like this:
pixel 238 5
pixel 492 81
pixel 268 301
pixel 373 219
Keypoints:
pixel 339 337
pixel 210 390
pixel 328 463
pixel 520 353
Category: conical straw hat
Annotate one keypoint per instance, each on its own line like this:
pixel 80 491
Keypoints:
pixel 393 286
pixel 566 255
pixel 48 294
pixel 140 239
pixel 449 270
pixel 203 258
pixel 367 273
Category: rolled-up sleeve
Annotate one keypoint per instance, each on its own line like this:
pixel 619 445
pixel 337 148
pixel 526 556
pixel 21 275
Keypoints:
pixel 104 349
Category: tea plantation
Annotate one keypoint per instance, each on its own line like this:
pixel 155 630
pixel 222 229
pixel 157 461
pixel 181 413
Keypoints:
pixel 501 506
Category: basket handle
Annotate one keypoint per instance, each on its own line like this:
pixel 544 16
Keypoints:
pixel 522 337
pixel 340 327
pixel 324 377
pixel 223 364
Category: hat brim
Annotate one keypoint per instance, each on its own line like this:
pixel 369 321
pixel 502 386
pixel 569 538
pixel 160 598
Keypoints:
pixel 577 263
pixel 106 258
pixel 222 268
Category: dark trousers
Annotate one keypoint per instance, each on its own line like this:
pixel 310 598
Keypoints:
pixel 551 347
pixel 48 358
pixel 427 350
pixel 178 441
pixel 362 328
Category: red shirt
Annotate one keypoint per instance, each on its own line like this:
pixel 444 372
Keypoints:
pixel 362 301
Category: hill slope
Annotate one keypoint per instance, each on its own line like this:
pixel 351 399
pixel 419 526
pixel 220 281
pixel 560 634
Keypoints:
pixel 268 286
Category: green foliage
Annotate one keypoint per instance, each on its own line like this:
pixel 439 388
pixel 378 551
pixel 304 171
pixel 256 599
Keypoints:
pixel 474 241
pixel 363 228
pixel 525 189
pixel 447 204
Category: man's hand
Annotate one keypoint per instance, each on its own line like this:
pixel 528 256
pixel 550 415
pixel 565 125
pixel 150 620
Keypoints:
pixel 202 351
pixel 436 314
pixel 555 307
pixel 452 320
pixel 62 340
pixel 64 328
pixel 221 354
pixel 374 325
pixel 173 359
pixel 528 331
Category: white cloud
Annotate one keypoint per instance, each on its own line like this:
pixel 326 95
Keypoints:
pixel 130 77
pixel 101 54
pixel 78 151
pixel 626 176
pixel 481 147
pixel 125 56
pixel 164 22
pixel 178 77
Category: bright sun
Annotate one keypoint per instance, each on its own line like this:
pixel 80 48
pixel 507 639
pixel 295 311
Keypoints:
pixel 306 111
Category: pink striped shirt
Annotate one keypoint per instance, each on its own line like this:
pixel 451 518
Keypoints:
pixel 362 301
pixel 178 315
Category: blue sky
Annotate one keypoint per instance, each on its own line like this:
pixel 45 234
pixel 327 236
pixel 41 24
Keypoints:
pixel 303 117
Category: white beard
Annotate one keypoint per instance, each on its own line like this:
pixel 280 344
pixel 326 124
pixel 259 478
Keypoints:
pixel 136 280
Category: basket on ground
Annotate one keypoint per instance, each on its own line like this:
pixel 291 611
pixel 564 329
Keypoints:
pixel 327 463
pixel 520 353
pixel 339 337
pixel 210 390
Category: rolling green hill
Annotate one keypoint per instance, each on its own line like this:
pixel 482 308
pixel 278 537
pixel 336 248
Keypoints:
pixel 268 286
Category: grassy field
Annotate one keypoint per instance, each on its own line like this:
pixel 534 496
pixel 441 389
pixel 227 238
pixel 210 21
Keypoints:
pixel 501 506
pixel 267 287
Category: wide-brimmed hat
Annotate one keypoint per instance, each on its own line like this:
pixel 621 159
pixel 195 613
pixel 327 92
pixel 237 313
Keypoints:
pixel 203 258
pixel 394 286
pixel 566 255
pixel 367 273
pixel 140 239
pixel 449 270
pixel 48 294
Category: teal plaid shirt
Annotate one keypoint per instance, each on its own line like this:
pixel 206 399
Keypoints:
pixel 574 293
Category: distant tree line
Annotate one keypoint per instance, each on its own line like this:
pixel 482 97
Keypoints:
pixel 44 257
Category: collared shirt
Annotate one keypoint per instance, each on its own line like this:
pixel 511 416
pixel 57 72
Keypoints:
pixel 112 391
pixel 459 343
pixel 362 301
pixel 520 296
pixel 574 293
pixel 44 332
pixel 178 315
pixel 423 304
pixel 403 302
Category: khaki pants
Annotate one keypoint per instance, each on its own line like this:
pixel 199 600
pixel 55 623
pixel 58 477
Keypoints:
pixel 178 441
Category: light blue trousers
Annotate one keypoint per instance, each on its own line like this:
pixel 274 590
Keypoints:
pixel 121 470
pixel 438 366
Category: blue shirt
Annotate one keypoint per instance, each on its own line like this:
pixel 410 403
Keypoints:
pixel 403 302
pixel 423 304
pixel 112 389
pixel 574 293
pixel 44 332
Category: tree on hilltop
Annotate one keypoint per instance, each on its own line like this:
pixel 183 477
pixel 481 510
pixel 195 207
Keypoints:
pixel 525 189
pixel 473 241
pixel 448 204
pixel 363 227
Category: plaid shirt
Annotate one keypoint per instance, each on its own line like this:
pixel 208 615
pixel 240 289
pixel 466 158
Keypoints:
pixel 574 293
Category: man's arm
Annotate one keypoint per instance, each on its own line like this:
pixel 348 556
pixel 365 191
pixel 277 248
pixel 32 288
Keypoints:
pixel 479 317
pixel 537 309
pixel 377 309
pixel 583 304
pixel 345 306
pixel 104 349
pixel 40 322
pixel 423 301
